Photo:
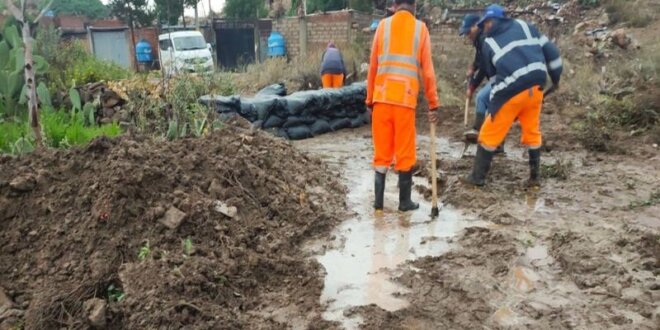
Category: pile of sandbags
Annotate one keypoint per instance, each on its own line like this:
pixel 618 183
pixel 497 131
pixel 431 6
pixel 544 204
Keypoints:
pixel 300 115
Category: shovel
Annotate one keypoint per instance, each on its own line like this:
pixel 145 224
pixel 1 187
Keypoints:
pixel 434 181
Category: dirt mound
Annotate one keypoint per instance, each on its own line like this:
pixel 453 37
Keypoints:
pixel 198 233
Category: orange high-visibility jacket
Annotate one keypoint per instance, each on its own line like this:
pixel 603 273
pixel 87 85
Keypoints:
pixel 400 61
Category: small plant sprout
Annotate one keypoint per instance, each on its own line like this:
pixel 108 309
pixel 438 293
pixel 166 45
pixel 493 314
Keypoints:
pixel 115 294
pixel 144 252
pixel 188 246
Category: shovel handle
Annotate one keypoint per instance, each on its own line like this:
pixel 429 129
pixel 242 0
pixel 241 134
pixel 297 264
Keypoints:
pixel 434 174
pixel 467 111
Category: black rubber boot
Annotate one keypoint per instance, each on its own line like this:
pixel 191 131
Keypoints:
pixel 534 168
pixel 405 190
pixel 481 167
pixel 379 189
pixel 500 149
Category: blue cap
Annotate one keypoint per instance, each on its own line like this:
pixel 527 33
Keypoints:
pixel 492 11
pixel 469 21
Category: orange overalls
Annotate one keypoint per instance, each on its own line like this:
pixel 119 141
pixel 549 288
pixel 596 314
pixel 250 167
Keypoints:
pixel 400 60
pixel 330 80
pixel 526 107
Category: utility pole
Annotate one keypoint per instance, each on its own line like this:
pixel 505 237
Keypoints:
pixel 196 17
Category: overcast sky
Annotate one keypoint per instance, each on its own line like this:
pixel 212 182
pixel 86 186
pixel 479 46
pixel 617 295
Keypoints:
pixel 216 5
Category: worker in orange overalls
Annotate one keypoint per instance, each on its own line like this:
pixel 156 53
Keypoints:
pixel 400 62
pixel 333 70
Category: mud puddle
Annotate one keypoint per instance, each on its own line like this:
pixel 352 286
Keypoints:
pixel 367 250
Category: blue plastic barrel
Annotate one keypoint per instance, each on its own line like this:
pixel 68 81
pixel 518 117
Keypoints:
pixel 143 51
pixel 276 45
pixel 374 25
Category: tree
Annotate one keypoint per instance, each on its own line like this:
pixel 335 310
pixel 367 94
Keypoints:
pixel 169 11
pixel 88 8
pixel 133 12
pixel 245 9
pixel 23 16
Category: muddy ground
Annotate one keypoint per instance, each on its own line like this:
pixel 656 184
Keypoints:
pixel 130 233
pixel 581 252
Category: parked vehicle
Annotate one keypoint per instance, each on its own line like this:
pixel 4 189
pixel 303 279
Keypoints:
pixel 184 51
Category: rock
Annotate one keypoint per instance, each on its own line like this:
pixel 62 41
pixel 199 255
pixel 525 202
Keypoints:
pixel 24 183
pixel 95 309
pixel 620 38
pixel 225 209
pixel 215 189
pixel 5 301
pixel 172 218
pixel 632 294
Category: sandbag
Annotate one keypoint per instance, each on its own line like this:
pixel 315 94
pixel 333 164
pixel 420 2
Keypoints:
pixel 299 132
pixel 273 121
pixel 293 121
pixel 357 122
pixel 320 127
pixel 272 90
pixel 221 104
pixel 248 111
pixel 263 106
pixel 341 123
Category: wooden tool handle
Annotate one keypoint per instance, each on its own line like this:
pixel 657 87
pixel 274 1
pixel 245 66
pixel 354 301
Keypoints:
pixel 434 172
pixel 467 107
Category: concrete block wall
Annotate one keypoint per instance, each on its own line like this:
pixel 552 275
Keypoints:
pixel 341 27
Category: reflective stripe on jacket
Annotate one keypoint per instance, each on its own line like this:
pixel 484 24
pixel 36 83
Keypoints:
pixel 400 62
pixel 519 57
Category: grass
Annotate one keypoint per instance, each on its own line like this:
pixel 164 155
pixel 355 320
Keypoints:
pixel 636 13
pixel 654 198
pixel 60 129
pixel 559 170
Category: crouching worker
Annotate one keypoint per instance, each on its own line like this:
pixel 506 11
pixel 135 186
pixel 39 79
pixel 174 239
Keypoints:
pixel 333 70
pixel 520 58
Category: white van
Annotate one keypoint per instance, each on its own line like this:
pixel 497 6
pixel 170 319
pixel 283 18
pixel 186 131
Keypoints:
pixel 184 51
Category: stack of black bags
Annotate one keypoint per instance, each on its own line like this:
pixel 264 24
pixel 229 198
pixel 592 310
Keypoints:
pixel 300 115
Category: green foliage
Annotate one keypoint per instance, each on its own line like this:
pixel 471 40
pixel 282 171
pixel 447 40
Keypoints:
pixel 12 64
pixel 244 9
pixel 135 12
pixel 188 248
pixel 115 294
pixel 71 64
pixel 63 129
pixel 144 252
pixel 589 3
pixel 169 11
pixel 89 8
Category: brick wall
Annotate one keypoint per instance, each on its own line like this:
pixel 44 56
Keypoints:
pixel 341 27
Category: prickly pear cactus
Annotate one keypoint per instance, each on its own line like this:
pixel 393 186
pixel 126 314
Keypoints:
pixel 12 63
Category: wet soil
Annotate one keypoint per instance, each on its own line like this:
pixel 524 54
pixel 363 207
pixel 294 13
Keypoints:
pixel 583 251
pixel 149 228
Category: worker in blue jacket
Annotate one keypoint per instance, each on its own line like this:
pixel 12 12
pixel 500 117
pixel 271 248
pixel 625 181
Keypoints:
pixel 519 58
pixel 476 75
